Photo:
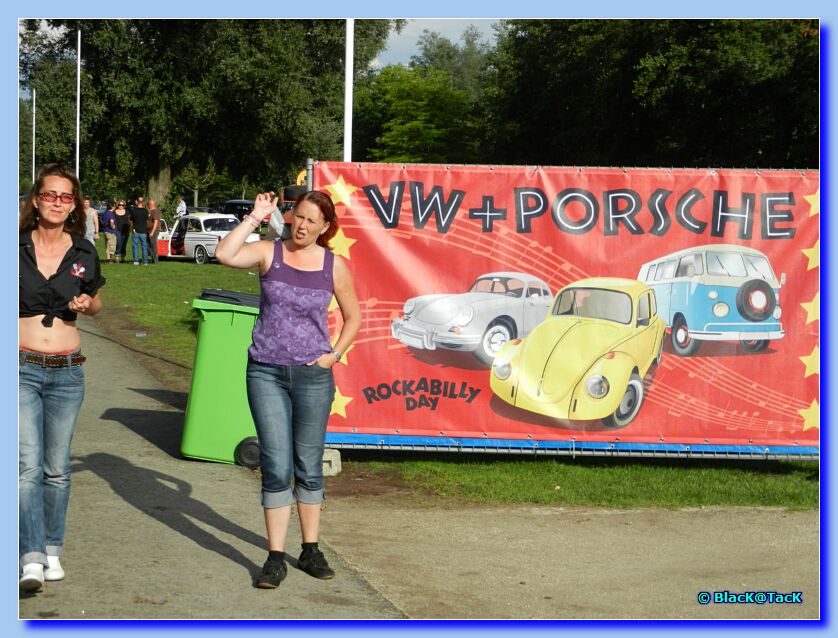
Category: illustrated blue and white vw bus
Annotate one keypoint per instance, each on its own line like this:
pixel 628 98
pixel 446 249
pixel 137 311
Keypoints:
pixel 718 292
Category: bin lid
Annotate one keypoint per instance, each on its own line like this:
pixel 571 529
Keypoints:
pixel 215 298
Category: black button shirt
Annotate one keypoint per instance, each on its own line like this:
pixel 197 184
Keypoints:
pixel 79 272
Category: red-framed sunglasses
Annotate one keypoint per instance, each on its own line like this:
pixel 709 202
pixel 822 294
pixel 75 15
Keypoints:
pixel 50 197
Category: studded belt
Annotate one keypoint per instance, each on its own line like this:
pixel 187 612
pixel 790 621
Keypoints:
pixel 53 360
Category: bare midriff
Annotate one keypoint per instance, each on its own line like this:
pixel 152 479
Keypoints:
pixel 61 337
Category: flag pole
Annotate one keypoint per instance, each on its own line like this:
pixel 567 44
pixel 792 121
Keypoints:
pixel 33 135
pixel 348 87
pixel 78 103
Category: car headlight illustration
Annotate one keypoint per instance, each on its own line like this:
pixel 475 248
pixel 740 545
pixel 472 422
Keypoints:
pixel 597 386
pixel 501 368
pixel 464 317
pixel 721 309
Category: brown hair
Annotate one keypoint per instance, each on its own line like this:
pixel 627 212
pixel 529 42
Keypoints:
pixel 327 209
pixel 75 223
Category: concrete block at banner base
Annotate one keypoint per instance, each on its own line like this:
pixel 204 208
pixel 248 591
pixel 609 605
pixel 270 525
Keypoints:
pixel 331 462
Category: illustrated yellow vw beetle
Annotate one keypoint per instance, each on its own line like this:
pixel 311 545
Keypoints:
pixel 587 359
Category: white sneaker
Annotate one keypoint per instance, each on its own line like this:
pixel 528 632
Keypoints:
pixel 32 578
pixel 54 571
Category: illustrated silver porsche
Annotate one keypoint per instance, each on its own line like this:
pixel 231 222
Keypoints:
pixel 498 307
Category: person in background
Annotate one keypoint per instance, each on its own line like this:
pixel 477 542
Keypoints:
pixel 109 223
pixel 123 229
pixel 91 232
pixel 154 216
pixel 180 211
pixel 290 384
pixel 59 277
pixel 139 222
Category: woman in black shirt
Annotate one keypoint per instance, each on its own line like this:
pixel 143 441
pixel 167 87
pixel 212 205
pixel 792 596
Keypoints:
pixel 59 277
pixel 123 229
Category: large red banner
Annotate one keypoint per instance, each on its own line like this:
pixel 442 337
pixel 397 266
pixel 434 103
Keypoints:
pixel 601 305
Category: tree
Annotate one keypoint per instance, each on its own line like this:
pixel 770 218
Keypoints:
pixel 55 115
pixel 429 112
pixel 196 180
pixel 466 64
pixel 413 115
pixel 256 96
pixel 24 119
pixel 658 93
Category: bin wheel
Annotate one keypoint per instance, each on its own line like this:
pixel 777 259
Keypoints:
pixel 247 453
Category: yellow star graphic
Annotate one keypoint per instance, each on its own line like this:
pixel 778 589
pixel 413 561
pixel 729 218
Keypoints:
pixel 339 403
pixel 811 416
pixel 340 191
pixel 812 362
pixel 345 357
pixel 333 304
pixel 341 244
pixel 813 254
pixel 814 202
pixel 813 309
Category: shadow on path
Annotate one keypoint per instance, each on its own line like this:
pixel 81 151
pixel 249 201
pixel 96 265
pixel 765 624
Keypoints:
pixel 162 428
pixel 169 397
pixel 168 499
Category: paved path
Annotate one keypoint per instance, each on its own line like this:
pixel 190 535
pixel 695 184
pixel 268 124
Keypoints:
pixel 553 562
pixel 152 535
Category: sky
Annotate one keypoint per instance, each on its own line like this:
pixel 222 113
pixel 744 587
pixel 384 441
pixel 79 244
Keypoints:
pixel 403 45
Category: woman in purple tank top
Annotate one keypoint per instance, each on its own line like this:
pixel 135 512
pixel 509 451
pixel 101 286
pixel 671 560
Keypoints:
pixel 290 386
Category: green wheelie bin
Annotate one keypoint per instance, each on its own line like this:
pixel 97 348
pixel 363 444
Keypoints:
pixel 218 425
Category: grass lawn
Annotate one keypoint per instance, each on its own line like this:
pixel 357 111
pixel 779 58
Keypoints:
pixel 614 482
pixel 155 302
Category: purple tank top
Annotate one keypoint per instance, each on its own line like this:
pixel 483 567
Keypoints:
pixel 293 308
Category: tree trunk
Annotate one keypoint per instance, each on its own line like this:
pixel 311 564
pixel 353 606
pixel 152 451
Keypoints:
pixel 160 184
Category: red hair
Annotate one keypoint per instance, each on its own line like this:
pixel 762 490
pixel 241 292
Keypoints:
pixel 327 209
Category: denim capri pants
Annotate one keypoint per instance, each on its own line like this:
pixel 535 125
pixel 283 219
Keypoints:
pixel 290 406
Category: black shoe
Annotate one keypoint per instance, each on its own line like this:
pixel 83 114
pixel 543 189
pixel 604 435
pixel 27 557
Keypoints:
pixel 273 573
pixel 314 564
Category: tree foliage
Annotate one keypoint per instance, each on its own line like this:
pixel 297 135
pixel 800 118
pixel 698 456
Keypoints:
pixel 54 87
pixel 255 96
pixel 663 92
pixel 413 115
pixel 196 180
pixel 430 111
pixel 465 64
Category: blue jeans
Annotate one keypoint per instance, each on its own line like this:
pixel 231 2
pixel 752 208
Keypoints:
pixel 48 404
pixel 142 240
pixel 290 407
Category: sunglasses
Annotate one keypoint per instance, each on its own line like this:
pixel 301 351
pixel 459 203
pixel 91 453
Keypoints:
pixel 50 197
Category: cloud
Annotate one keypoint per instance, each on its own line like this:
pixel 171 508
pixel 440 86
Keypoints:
pixel 403 45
